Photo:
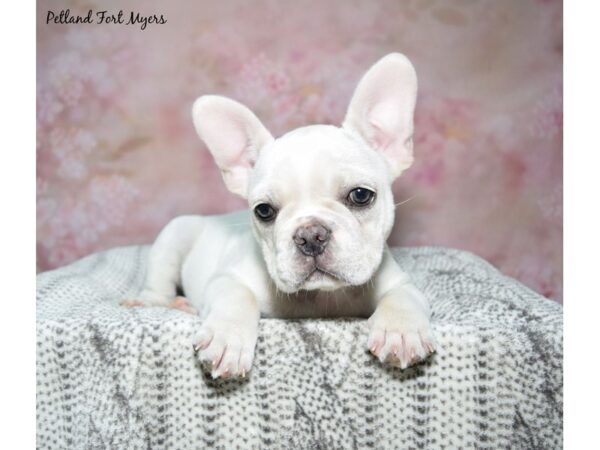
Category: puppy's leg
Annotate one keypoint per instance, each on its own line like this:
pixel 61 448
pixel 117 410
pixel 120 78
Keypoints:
pixel 227 338
pixel 183 304
pixel 400 329
pixel 164 264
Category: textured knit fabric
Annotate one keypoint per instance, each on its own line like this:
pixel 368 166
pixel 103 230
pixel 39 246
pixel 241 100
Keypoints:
pixel 109 377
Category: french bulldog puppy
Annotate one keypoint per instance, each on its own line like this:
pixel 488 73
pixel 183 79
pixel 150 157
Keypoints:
pixel 314 241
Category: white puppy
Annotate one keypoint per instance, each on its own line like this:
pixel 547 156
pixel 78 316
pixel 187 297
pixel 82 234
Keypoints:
pixel 314 241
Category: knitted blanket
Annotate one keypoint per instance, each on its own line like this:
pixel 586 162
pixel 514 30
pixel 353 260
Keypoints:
pixel 115 378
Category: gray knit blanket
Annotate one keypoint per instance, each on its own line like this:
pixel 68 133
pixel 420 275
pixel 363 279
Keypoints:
pixel 115 378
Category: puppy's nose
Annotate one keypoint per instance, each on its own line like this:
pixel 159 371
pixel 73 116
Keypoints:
pixel 312 238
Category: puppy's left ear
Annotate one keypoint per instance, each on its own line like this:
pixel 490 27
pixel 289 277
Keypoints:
pixel 234 136
pixel 382 108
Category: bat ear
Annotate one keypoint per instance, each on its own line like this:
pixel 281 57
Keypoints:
pixel 233 135
pixel 382 108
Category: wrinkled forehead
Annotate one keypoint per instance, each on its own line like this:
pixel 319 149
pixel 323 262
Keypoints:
pixel 313 160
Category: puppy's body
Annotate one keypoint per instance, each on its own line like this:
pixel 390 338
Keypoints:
pixel 313 244
pixel 224 246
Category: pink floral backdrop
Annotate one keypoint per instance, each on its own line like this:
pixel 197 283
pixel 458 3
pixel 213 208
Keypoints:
pixel 117 156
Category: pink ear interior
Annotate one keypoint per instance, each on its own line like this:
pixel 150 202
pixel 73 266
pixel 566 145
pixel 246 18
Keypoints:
pixel 234 136
pixel 389 137
pixel 236 179
pixel 227 140
pixel 379 139
pixel 382 107
pixel 384 124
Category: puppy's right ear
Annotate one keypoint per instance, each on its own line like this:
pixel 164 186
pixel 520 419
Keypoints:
pixel 382 107
pixel 234 136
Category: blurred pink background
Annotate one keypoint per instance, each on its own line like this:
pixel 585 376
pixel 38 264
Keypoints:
pixel 117 156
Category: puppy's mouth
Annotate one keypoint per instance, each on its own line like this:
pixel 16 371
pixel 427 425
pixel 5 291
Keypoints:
pixel 319 274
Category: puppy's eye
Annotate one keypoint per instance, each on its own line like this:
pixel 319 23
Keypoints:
pixel 265 212
pixel 361 197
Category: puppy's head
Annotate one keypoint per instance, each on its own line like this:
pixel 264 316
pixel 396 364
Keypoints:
pixel 320 195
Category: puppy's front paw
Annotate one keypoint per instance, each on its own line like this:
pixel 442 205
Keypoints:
pixel 399 337
pixel 226 347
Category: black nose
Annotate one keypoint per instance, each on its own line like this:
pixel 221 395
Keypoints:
pixel 312 238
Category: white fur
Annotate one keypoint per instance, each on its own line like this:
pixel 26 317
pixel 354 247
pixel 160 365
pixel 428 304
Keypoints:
pixel 233 268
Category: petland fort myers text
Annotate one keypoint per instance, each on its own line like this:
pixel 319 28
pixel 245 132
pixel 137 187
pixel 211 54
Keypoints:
pixel 105 17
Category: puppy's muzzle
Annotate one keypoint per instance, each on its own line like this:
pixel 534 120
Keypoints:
pixel 312 238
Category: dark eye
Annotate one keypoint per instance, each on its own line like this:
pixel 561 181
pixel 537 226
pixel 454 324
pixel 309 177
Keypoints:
pixel 265 212
pixel 361 197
